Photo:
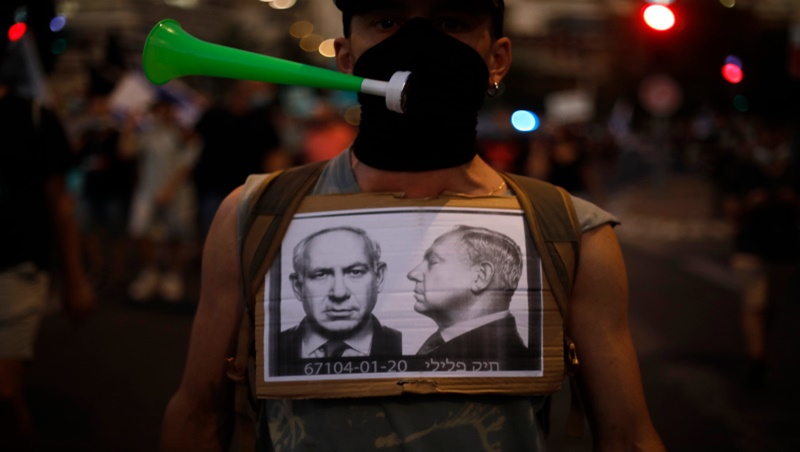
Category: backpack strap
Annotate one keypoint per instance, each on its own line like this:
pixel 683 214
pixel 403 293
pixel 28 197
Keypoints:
pixel 266 206
pixel 269 216
pixel 239 368
pixel 555 230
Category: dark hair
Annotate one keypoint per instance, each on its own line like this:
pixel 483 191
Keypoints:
pixel 495 7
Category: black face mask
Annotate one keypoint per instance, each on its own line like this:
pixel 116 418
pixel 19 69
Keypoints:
pixel 443 95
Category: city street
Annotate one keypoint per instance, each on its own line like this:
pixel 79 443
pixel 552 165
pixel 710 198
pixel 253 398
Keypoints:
pixel 126 123
pixel 103 386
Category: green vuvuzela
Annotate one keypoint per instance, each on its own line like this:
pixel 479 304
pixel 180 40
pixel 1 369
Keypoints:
pixel 170 52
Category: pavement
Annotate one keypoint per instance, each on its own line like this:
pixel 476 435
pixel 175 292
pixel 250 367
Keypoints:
pixel 677 221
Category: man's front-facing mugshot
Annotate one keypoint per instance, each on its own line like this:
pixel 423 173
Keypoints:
pixel 337 277
pixel 465 283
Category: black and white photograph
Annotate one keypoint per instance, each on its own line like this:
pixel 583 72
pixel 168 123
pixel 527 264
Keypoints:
pixel 412 292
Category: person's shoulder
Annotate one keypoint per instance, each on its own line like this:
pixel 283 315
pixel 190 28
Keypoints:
pixel 391 332
pixel 230 203
pixel 383 328
pixel 223 234
pixel 498 328
pixel 211 118
pixel 388 334
pixel 591 216
pixel 213 113
pixel 386 341
pixel 291 331
pixel 290 340
pixel 337 177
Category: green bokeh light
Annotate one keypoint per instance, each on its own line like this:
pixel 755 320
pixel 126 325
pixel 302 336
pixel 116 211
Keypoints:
pixel 741 104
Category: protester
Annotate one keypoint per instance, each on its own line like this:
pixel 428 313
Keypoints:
pixel 239 138
pixel 37 224
pixel 764 207
pixel 162 220
pixel 561 158
pixel 108 175
pixel 458 51
pixel 326 133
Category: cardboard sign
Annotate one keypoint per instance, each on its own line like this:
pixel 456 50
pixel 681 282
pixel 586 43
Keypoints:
pixel 373 295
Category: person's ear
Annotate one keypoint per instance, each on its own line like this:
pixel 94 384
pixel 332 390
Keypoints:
pixel 344 55
pixel 499 60
pixel 483 275
pixel 297 286
pixel 380 271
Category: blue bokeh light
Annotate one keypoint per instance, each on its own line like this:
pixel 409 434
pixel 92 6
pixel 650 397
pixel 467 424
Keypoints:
pixel 525 121
pixel 57 23
pixel 733 59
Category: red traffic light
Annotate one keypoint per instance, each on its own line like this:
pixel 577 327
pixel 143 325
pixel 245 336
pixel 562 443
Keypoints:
pixel 732 73
pixel 17 31
pixel 658 17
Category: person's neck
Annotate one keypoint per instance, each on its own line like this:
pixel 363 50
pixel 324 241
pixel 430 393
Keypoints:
pixel 475 178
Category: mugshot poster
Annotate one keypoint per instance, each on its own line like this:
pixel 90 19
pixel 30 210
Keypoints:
pixel 405 292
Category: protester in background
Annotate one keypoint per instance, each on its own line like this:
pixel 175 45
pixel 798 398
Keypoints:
pixel 764 207
pixel 163 212
pixel 37 217
pixel 326 133
pixel 108 175
pixel 560 157
pixel 239 138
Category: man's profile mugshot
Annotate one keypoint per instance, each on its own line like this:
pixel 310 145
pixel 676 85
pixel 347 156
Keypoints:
pixel 337 277
pixel 465 283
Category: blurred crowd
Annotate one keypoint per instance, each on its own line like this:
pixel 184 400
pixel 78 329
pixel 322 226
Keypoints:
pixel 750 162
pixel 151 169
pixel 149 174
pixel 151 165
